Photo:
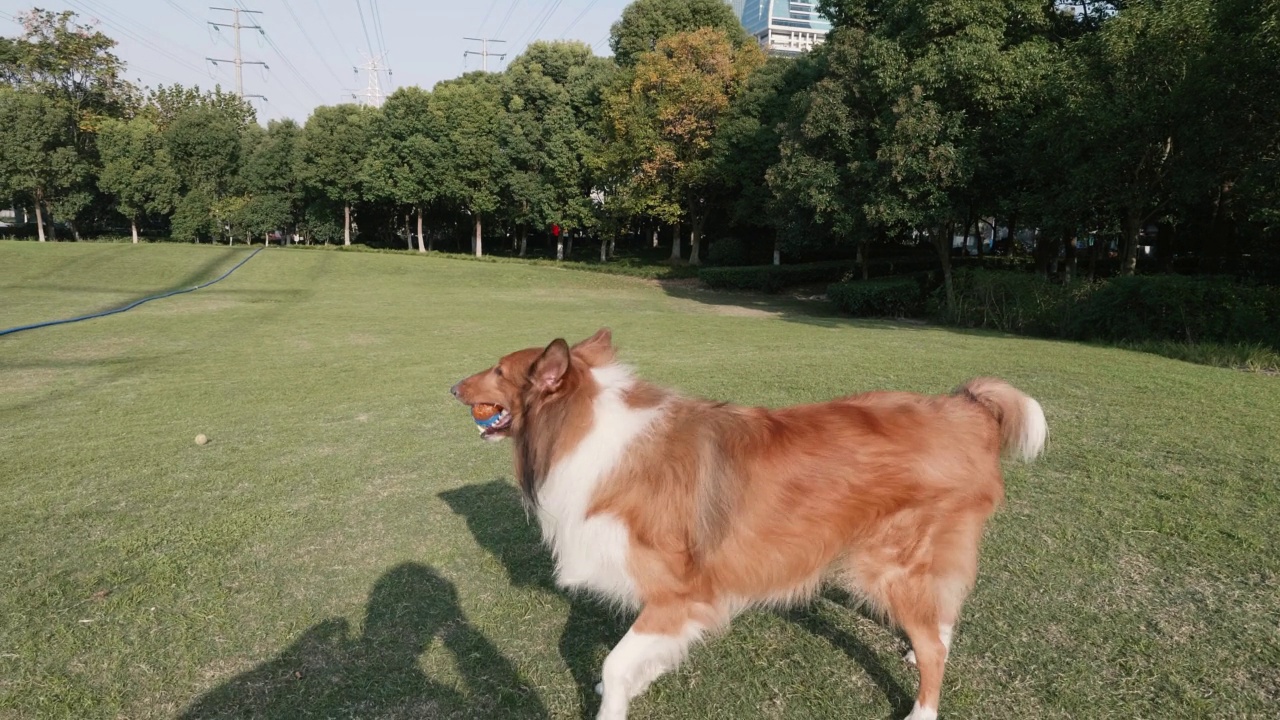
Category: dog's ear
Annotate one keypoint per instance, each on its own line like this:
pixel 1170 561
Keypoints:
pixel 597 349
pixel 548 371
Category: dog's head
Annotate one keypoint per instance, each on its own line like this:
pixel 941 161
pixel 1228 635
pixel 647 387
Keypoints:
pixel 529 376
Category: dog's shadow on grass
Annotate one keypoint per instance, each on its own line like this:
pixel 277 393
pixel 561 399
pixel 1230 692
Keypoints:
pixel 816 623
pixel 328 672
pixel 496 517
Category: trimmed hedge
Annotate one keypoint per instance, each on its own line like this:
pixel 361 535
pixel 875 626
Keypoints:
pixel 1139 308
pixel 772 278
pixel 1186 309
pixel 891 297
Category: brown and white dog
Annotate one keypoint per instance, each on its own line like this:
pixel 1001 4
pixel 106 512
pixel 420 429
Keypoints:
pixel 691 511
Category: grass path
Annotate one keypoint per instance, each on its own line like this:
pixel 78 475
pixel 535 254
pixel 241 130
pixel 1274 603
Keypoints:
pixel 345 546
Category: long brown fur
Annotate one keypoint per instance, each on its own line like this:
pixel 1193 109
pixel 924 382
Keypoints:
pixel 884 493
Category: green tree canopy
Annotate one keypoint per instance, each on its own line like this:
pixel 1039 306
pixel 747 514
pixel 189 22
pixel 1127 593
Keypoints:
pixel 645 22
pixel 136 169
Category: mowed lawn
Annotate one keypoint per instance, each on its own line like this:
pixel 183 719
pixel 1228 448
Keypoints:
pixel 346 546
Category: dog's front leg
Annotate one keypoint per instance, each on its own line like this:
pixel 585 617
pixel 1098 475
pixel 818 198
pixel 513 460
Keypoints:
pixel 656 643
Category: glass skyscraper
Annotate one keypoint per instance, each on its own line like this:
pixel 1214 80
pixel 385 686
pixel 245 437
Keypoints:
pixel 786 27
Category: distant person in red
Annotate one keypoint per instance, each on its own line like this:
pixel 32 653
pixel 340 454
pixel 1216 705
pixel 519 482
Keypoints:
pixel 555 230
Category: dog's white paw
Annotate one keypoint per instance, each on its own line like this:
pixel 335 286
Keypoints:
pixel 922 713
pixel 910 657
pixel 600 689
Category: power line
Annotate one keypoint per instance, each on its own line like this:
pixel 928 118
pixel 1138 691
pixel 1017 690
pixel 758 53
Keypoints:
pixel 285 59
pixel 239 61
pixel 102 17
pixel 360 8
pixel 532 35
pixel 337 42
pixel 506 17
pixel 185 13
pixel 307 36
pixel 578 19
pixel 377 24
pixel 487 13
pixel 291 67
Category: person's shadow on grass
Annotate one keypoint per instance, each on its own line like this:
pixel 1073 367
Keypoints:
pixel 328 673
pixel 496 517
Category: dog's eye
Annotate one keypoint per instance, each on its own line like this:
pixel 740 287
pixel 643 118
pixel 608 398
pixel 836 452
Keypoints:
pixel 498 371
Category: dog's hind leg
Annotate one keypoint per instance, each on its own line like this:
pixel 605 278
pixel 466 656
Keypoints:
pixel 657 642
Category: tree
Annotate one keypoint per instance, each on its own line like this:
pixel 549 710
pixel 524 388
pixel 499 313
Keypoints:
pixel 33 133
pixel 748 141
pixel 545 138
pixel 645 22
pixel 136 169
pixel 272 194
pixel 664 120
pixel 331 151
pixel 165 103
pixel 70 64
pixel 401 164
pixel 204 144
pixel 73 67
pixel 466 118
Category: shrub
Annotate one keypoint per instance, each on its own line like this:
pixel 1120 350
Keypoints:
pixel 1186 309
pixel 772 278
pixel 727 252
pixel 1140 308
pixel 1012 302
pixel 893 297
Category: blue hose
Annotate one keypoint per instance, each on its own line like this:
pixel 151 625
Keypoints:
pixel 131 305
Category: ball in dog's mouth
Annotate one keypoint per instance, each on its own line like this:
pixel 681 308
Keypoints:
pixel 491 420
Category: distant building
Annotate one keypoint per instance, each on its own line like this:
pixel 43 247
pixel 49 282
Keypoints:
pixel 783 27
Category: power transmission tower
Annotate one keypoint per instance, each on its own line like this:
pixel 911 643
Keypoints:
pixel 238 61
pixel 372 94
pixel 484 51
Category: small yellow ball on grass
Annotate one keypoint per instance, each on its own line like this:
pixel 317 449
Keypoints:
pixel 201 439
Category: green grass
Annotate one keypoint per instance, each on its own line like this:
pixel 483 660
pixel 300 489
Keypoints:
pixel 346 546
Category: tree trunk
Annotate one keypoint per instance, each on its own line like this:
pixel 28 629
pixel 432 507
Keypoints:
pixel 604 250
pixel 53 228
pixel 1069 272
pixel 942 243
pixel 1132 226
pixel 655 236
pixel 559 247
pixel 266 238
pixel 346 225
pixel 1013 233
pixel 613 245
pixel 1096 250
pixel 568 245
pixel 133 223
pixel 478 241
pixel 695 239
pixel 777 249
pixel 421 247
pixel 39 218
pixel 75 231
pixel 675 243
pixel 524 240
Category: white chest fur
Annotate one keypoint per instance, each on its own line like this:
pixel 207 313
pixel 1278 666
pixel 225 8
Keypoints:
pixel 591 553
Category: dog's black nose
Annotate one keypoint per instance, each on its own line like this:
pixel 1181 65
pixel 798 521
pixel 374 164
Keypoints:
pixel 454 389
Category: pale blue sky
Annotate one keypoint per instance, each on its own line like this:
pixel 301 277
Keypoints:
pixel 164 41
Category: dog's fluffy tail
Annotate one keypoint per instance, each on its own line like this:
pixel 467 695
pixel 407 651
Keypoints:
pixel 1023 430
